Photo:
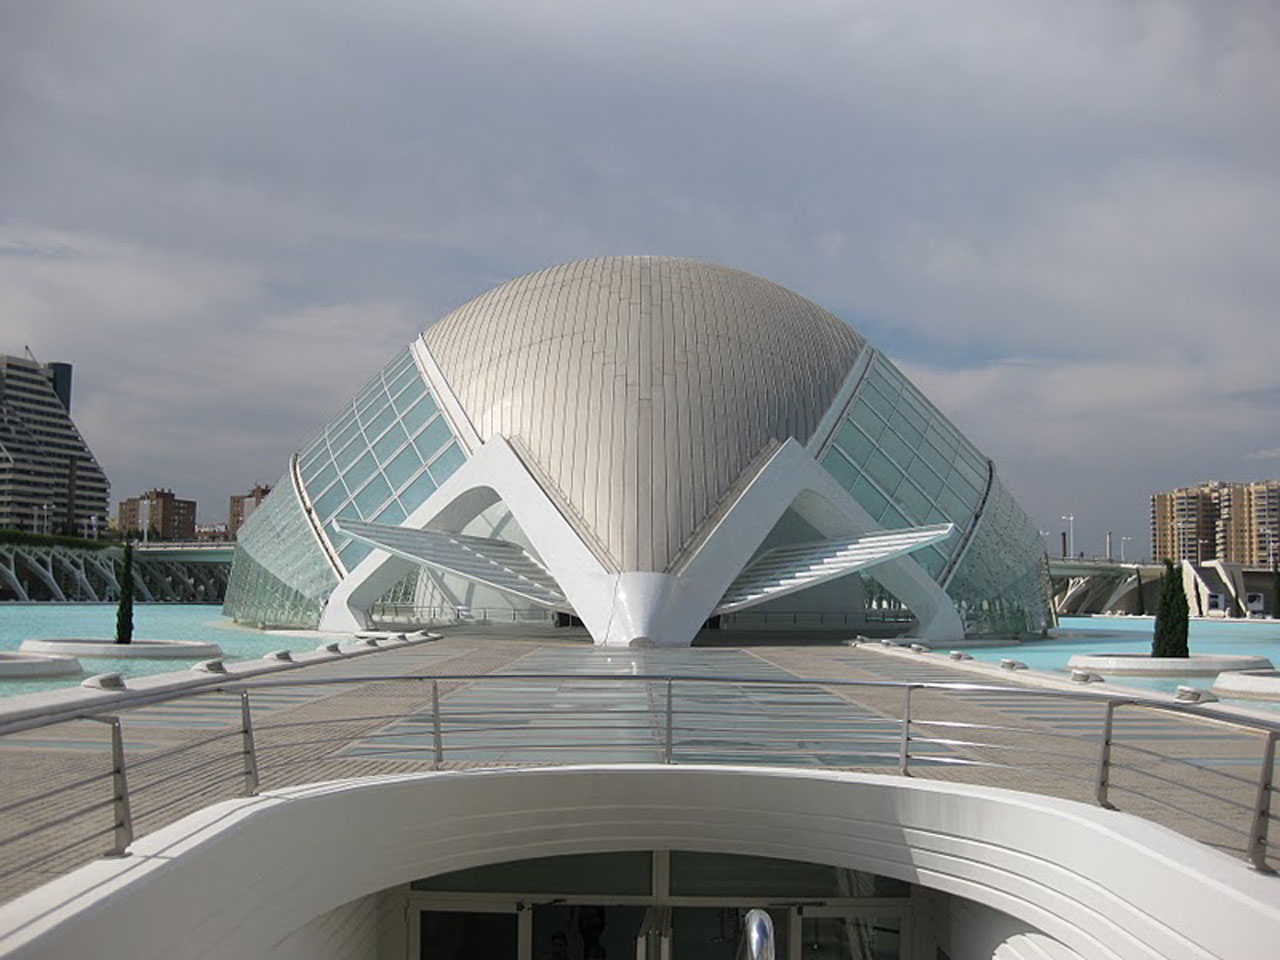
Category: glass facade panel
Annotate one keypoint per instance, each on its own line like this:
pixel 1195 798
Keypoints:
pixel 348 454
pixel 924 478
pixel 905 463
pixel 323 476
pixel 445 464
pixel 911 500
pixel 883 471
pixel 895 448
pixel 359 471
pixel 379 423
pixel 280 575
pixel 1001 584
pixel 871 499
pixel 405 465
pixel 409 395
pixel 840 468
pixel 389 443
pixel 416 493
pixel 856 444
pixel 373 495
pixel 418 414
pixel 377 459
pixel 906 428
pixel 353 553
pixel 867 419
pixel 329 502
pixel 391 514
pixel 433 438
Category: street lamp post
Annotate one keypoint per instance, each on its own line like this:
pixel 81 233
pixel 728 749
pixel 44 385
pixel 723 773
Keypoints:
pixel 1071 533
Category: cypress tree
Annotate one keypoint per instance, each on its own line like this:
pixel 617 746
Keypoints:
pixel 1142 603
pixel 124 612
pixel 1172 616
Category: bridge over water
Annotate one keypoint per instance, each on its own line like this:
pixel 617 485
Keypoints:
pixel 171 572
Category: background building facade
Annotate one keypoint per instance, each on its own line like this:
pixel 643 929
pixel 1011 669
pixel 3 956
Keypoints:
pixel 158 514
pixel 1232 522
pixel 242 505
pixel 50 481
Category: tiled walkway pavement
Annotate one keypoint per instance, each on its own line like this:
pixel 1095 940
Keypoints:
pixel 186 754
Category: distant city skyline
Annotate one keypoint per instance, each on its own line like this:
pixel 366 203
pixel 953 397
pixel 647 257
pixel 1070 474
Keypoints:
pixel 1059 220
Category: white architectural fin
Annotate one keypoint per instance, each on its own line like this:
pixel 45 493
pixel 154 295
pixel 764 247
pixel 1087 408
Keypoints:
pixel 500 564
pixel 798 566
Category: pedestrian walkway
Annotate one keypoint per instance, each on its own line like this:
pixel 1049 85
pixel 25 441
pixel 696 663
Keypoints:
pixel 511 695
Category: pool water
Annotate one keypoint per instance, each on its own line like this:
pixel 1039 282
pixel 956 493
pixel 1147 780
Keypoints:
pixel 1133 635
pixel 203 623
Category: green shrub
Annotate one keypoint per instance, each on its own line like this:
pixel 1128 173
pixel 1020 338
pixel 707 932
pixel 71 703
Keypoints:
pixel 124 612
pixel 1172 617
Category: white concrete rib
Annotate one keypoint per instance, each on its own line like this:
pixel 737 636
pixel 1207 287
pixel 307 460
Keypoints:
pixel 500 564
pixel 795 567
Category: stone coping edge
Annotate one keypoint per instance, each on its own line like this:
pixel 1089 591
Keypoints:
pixel 136 650
pixel 1142 665
pixel 1248 684
pixel 21 665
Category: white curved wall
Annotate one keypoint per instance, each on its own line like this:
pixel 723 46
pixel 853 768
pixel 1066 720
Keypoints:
pixel 244 875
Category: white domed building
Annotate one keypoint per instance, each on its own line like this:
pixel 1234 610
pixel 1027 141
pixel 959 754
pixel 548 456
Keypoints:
pixel 651 445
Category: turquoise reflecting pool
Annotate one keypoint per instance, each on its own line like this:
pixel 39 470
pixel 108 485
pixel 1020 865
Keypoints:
pixel 1133 635
pixel 163 621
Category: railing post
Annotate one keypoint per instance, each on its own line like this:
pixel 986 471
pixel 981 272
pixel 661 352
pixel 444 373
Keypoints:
pixel 1257 848
pixel 667 749
pixel 247 746
pixel 904 751
pixel 1104 757
pixel 123 834
pixel 437 733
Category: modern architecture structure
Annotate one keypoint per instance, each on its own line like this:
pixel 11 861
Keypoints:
pixel 645 444
pixel 158 513
pixel 50 481
pixel 242 505
pixel 1232 522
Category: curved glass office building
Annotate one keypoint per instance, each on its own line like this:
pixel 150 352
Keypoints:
pixel 646 443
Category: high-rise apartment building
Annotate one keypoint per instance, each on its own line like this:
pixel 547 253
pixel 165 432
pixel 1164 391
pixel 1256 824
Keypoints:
pixel 1233 522
pixel 50 481
pixel 160 514
pixel 242 505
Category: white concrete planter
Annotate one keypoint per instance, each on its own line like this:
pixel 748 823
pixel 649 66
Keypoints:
pixel 29 666
pixel 137 650
pixel 1141 664
pixel 1249 684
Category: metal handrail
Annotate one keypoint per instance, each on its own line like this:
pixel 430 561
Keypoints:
pixel 679 725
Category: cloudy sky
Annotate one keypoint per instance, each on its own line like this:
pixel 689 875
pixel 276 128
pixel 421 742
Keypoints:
pixel 1061 219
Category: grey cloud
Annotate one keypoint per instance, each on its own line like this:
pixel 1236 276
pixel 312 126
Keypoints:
pixel 1091 187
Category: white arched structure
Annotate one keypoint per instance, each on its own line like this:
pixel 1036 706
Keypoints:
pixel 626 607
pixel 244 878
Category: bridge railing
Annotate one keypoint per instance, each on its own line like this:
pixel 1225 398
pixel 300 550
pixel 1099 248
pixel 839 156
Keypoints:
pixel 85 783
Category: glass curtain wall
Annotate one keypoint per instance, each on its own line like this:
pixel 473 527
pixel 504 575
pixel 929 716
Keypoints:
pixel 380 458
pixel 280 576
pixel 906 465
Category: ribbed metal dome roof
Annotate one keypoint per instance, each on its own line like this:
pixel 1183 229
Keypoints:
pixel 641 387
